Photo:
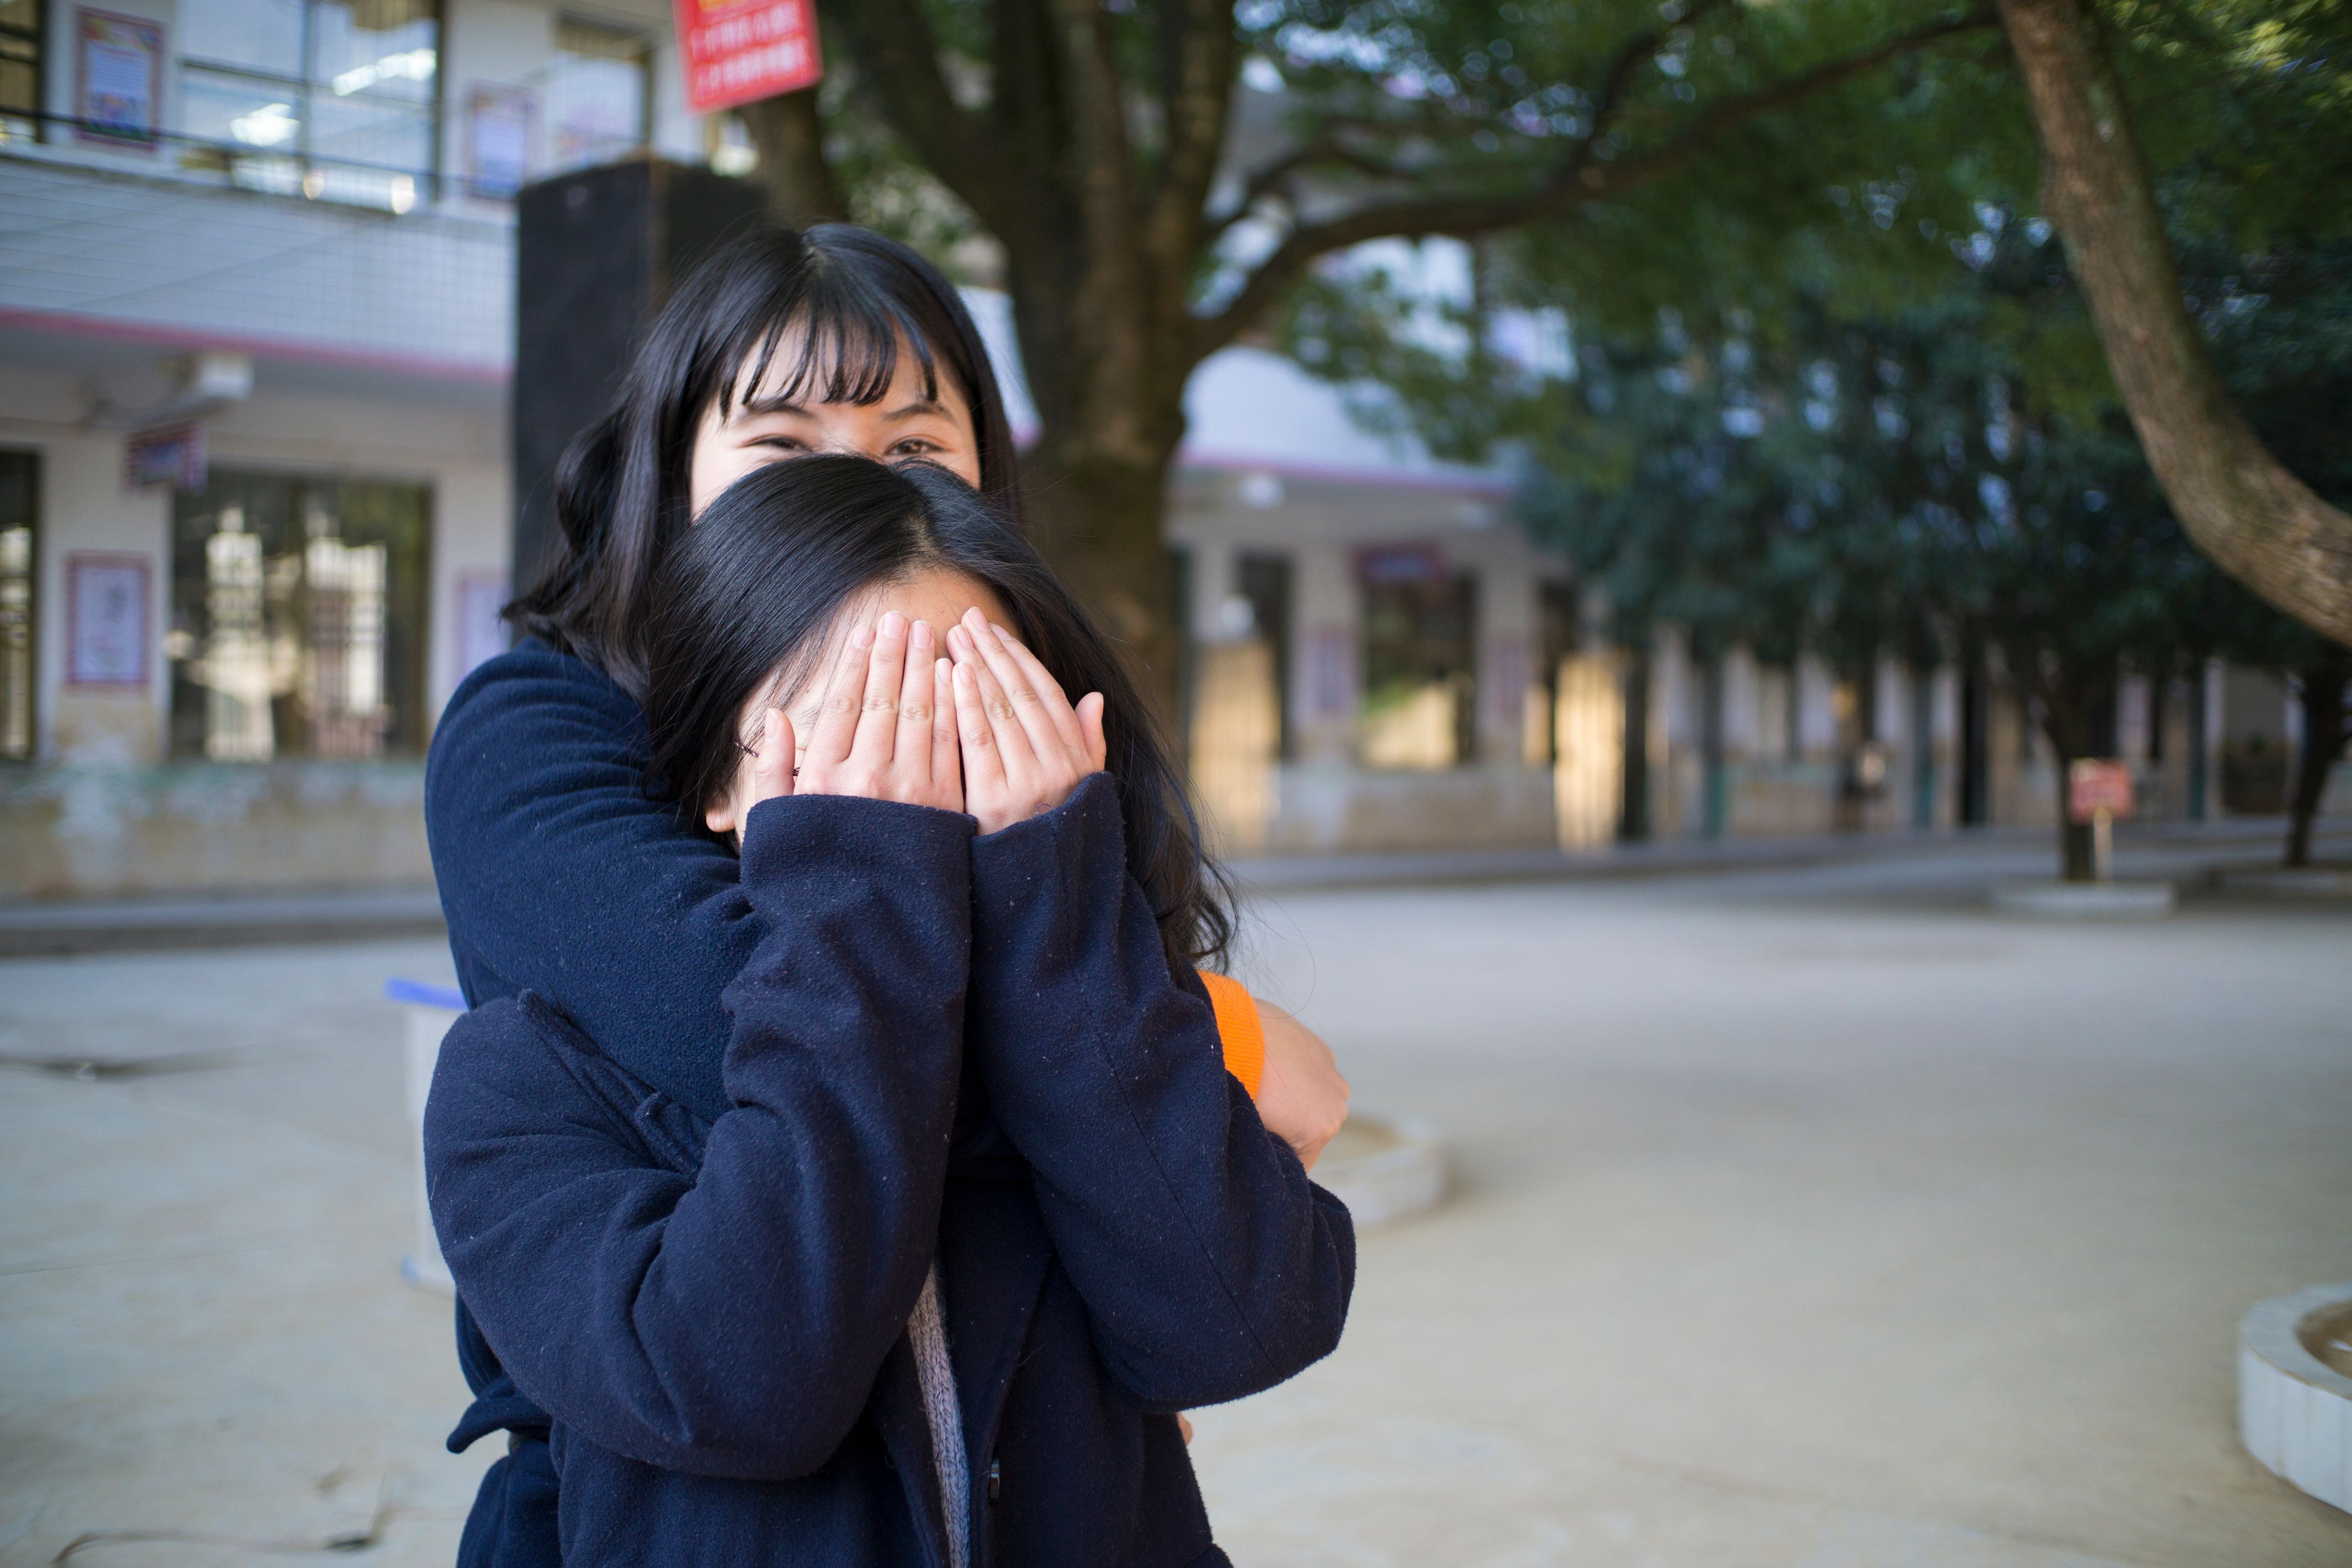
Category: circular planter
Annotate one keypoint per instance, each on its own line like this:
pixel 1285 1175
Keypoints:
pixel 1382 1170
pixel 2084 900
pixel 2295 1390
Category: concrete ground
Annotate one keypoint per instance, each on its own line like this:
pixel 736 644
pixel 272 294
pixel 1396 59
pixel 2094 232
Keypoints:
pixel 1804 1217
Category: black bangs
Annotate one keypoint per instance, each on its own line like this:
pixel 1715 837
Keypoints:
pixel 850 335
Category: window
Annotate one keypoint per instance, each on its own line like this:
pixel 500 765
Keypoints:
pixel 19 562
pixel 20 68
pixel 335 100
pixel 599 94
pixel 1420 689
pixel 298 618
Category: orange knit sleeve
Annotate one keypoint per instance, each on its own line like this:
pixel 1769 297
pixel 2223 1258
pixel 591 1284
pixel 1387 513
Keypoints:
pixel 1239 1028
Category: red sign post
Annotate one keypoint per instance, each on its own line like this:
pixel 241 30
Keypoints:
pixel 2098 791
pixel 738 51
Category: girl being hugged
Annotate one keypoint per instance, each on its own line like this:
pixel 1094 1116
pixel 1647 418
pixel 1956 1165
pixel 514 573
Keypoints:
pixel 560 875
pixel 985 1208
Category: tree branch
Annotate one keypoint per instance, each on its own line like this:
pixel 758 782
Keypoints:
pixel 1271 177
pixel 1713 123
pixel 2235 500
pixel 1605 100
pixel 1637 51
pixel 1575 180
pixel 1196 99
pixel 897 57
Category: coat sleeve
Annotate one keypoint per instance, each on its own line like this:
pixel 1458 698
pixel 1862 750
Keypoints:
pixel 1211 1267
pixel 731 1322
pixel 535 806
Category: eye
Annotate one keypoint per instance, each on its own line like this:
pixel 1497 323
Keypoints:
pixel 787 444
pixel 914 446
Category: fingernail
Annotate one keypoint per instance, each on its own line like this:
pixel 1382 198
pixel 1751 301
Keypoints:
pixel 919 634
pixel 863 638
pixel 893 623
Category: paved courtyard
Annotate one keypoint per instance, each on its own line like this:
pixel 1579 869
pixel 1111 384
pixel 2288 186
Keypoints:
pixel 1804 1219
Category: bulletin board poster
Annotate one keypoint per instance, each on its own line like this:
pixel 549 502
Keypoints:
pixel 107 607
pixel 498 139
pixel 171 455
pixel 118 80
pixel 738 51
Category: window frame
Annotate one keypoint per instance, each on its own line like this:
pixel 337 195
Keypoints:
pixel 641 44
pixel 32 458
pixel 311 167
pixel 35 38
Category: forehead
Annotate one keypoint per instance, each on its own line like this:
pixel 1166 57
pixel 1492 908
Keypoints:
pixel 938 596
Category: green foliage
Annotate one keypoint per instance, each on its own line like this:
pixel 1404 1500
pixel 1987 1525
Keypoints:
pixel 1909 480
pixel 1857 201
pixel 2242 106
pixel 1833 387
pixel 2281 327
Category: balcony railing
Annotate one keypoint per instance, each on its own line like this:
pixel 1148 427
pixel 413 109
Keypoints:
pixel 346 181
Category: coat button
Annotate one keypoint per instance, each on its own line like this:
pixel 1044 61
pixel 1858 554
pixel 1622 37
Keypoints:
pixel 995 1480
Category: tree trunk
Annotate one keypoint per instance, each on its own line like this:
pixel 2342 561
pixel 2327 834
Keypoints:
pixel 2258 521
pixel 1715 767
pixel 2072 708
pixel 2323 685
pixel 1099 521
pixel 790 140
pixel 1634 817
pixel 2077 856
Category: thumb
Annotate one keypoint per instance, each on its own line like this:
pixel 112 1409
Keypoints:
pixel 1090 725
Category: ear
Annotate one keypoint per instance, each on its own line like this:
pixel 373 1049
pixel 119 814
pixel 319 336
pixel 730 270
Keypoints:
pixel 720 818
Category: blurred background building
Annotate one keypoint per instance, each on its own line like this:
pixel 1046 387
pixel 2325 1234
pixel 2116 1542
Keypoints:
pixel 257 334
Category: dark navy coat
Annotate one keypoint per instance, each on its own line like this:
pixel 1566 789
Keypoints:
pixel 937 1045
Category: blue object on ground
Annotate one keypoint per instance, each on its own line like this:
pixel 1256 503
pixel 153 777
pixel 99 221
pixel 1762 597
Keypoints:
pixel 424 994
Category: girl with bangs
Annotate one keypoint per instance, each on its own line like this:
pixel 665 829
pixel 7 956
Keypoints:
pixel 562 875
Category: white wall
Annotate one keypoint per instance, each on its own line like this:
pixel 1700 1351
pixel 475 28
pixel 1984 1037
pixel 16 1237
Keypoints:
pixel 487 43
pixel 197 263
pixel 1327 660
pixel 1510 640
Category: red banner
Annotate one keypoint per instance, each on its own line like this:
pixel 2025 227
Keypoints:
pixel 738 51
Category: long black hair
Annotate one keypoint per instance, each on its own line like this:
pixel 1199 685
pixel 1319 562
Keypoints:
pixel 621 490
pixel 750 592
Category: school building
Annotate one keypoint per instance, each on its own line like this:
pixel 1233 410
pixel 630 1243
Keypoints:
pixel 257 328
